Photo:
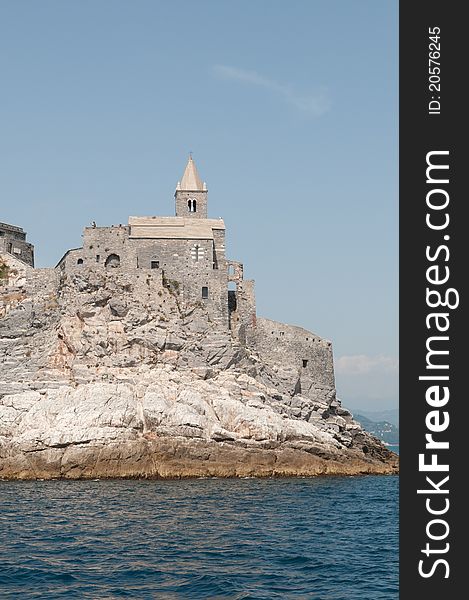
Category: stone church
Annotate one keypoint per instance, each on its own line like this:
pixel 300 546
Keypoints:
pixel 187 249
pixel 185 254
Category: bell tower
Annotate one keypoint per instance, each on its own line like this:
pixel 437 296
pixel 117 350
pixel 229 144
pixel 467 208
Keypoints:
pixel 191 194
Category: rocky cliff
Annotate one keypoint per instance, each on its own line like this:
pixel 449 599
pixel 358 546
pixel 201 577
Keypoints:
pixel 103 374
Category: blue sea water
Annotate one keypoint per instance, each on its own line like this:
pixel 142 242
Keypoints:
pixel 331 538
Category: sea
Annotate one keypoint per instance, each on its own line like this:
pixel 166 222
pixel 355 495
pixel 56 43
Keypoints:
pixel 323 538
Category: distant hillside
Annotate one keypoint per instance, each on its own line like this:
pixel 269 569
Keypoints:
pixel 383 430
pixel 390 415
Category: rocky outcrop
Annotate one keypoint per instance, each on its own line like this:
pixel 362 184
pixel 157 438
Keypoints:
pixel 110 375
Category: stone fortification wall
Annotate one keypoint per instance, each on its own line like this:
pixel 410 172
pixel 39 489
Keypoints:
pixel 12 231
pixel 13 241
pixel 242 305
pixel 304 358
pixel 100 244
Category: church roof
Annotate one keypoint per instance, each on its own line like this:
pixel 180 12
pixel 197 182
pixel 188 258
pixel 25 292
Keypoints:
pixel 173 228
pixel 191 181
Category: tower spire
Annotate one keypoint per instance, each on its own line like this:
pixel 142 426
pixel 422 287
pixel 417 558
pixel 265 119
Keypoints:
pixel 191 181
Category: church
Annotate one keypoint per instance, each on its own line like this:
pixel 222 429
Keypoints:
pixel 187 250
pixel 183 255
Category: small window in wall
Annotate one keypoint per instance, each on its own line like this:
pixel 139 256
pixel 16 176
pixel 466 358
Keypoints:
pixel 113 260
pixel 80 261
pixel 192 205
pixel 205 292
pixel 305 363
pixel 97 257
pixel 155 264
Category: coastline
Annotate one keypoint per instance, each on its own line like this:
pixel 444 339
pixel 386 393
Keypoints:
pixel 180 459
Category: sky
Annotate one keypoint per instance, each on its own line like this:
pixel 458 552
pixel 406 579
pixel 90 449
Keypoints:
pixel 291 113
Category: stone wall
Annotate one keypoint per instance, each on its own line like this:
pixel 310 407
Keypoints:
pixel 16 277
pixel 12 231
pixel 182 198
pixel 219 258
pixel 305 359
pixel 243 311
pixel 187 266
pixel 99 243
pixel 13 241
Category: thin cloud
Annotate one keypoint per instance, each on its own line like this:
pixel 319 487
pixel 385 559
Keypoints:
pixel 314 104
pixel 361 364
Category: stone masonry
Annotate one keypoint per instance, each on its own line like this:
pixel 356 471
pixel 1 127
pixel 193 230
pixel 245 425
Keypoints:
pixel 13 241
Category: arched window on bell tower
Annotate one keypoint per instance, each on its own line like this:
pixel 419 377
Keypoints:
pixel 192 205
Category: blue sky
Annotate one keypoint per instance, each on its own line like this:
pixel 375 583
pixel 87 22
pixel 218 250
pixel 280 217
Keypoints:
pixel 290 110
